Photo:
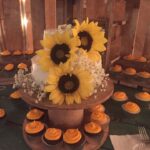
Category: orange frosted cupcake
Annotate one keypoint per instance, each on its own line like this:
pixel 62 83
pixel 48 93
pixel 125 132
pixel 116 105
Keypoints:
pixel 141 59
pixel 92 128
pixel 15 95
pixel 34 128
pixel 129 57
pixel 131 108
pixel 52 136
pixel 28 52
pixel 2 113
pixel 144 74
pixel 34 114
pixel 22 66
pixel 98 107
pixel 116 68
pixel 5 53
pixel 143 96
pixel 119 96
pixel 130 71
pixel 74 139
pixel 100 118
pixel 17 52
pixel 9 67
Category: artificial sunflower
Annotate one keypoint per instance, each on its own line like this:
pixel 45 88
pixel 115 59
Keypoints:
pixel 57 49
pixel 69 86
pixel 91 37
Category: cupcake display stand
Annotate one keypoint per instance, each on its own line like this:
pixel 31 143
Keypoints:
pixel 69 116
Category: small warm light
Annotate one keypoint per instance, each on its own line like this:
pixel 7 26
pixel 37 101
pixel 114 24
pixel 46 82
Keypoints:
pixel 24 21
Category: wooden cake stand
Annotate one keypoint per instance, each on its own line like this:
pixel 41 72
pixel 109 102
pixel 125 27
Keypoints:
pixel 69 116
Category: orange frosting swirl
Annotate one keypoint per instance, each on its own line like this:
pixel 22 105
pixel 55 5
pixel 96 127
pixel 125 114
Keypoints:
pixel 117 68
pixel 34 127
pixel 92 127
pixel 141 59
pixel 98 107
pixel 15 95
pixel 99 117
pixel 131 107
pixel 119 96
pixel 129 57
pixel 17 52
pixel 9 67
pixel 2 112
pixel 22 66
pixel 144 96
pixel 34 114
pixel 144 74
pixel 5 53
pixel 130 71
pixel 53 134
pixel 72 136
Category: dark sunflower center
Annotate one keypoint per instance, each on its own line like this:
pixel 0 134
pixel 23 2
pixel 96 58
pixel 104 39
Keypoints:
pixel 68 83
pixel 59 53
pixel 86 40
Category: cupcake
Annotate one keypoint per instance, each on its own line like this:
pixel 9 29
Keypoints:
pixel 34 128
pixel 130 71
pixel 2 113
pixel 22 66
pixel 119 96
pixel 116 68
pixel 141 59
pixel 28 52
pixel 100 118
pixel 143 96
pixel 5 53
pixel 74 139
pixel 98 107
pixel 34 114
pixel 92 129
pixel 17 52
pixel 15 95
pixel 9 67
pixel 129 57
pixel 144 74
pixel 131 108
pixel 52 136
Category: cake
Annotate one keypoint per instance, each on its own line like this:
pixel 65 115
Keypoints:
pixel 9 67
pixel 144 74
pixel 28 52
pixel 2 113
pixel 129 57
pixel 119 96
pixel 92 128
pixel 34 128
pixel 52 136
pixel 34 114
pixel 143 96
pixel 22 66
pixel 130 71
pixel 15 95
pixel 5 53
pixel 116 68
pixel 131 108
pixel 141 59
pixel 74 139
pixel 98 107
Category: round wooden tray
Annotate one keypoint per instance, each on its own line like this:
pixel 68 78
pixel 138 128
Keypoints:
pixel 36 142
pixel 101 96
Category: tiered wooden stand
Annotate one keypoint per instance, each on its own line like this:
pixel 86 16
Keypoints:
pixel 69 116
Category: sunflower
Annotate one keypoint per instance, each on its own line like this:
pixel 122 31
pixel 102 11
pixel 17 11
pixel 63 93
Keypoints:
pixel 57 49
pixel 91 37
pixel 69 86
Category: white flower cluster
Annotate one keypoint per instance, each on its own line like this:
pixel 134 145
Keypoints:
pixel 94 68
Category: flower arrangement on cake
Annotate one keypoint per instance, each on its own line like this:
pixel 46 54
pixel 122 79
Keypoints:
pixel 69 67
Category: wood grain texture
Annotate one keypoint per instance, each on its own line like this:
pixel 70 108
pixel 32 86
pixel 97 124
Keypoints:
pixel 12 22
